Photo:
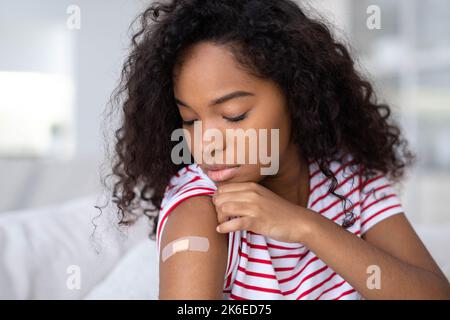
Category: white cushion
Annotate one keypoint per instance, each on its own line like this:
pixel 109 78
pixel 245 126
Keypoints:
pixel 135 277
pixel 38 246
pixel 436 238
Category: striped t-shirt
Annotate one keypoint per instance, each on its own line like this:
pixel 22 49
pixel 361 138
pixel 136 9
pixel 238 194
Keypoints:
pixel 259 267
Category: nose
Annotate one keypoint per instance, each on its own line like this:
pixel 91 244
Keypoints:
pixel 213 143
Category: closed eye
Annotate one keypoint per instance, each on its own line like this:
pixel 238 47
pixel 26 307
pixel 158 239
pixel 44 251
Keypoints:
pixel 236 119
pixel 230 119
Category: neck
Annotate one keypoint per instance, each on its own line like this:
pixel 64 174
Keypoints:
pixel 292 180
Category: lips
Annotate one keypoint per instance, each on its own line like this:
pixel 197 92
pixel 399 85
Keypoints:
pixel 220 173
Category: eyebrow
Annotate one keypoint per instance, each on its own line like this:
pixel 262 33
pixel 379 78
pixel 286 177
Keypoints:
pixel 225 98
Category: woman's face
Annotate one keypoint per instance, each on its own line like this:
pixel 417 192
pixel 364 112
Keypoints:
pixel 209 73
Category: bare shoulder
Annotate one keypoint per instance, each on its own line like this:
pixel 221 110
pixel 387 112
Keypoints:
pixel 193 274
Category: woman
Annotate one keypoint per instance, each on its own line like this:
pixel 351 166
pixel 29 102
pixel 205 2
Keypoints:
pixel 328 224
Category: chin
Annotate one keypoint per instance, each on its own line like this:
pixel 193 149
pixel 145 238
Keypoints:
pixel 247 173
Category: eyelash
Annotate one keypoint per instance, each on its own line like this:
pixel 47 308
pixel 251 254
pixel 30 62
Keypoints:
pixel 235 119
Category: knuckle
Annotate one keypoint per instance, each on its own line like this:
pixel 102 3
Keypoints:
pixel 254 195
pixel 218 199
pixel 253 185
pixel 256 206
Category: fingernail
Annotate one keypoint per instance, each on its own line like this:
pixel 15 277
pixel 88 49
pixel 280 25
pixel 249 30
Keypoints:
pixel 218 228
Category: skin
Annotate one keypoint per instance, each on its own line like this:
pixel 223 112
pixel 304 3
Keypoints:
pixel 204 277
pixel 208 72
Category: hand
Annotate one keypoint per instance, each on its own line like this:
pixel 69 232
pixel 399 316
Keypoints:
pixel 259 210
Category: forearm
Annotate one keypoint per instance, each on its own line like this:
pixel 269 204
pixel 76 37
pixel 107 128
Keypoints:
pixel 350 257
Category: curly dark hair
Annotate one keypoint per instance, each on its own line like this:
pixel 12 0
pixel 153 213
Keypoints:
pixel 332 107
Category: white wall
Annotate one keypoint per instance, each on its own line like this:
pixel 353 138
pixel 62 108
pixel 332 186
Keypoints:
pixel 35 37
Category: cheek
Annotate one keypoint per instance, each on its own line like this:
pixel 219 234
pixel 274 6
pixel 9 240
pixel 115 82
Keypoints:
pixel 284 124
pixel 278 121
pixel 260 151
pixel 190 141
pixel 285 137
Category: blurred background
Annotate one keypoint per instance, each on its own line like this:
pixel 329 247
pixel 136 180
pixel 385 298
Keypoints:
pixel 60 61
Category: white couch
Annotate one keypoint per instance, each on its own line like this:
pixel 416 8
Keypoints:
pixel 41 250
pixel 38 246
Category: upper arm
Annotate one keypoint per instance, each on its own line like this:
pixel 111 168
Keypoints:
pixel 193 274
pixel 396 236
pixel 384 224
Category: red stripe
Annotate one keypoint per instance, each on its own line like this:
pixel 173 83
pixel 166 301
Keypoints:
pixel 252 245
pixel 312 274
pixel 283 248
pixel 273 245
pixel 264 261
pixel 300 255
pixel 263 247
pixel 343 211
pixel 375 190
pixel 312 175
pixel 235 297
pixel 197 188
pixel 191 189
pixel 228 281
pixel 277 291
pixel 243 254
pixel 314 258
pixel 189 170
pixel 256 288
pixel 173 207
pixel 329 289
pixel 229 265
pixel 366 183
pixel 281 269
pixel 257 274
pixel 337 187
pixel 376 201
pixel 196 178
pixel 345 294
pixel 316 286
pixel 328 178
pixel 338 200
pixel 170 186
pixel 379 212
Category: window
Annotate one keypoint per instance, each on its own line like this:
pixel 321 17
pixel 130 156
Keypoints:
pixel 35 114
pixel 36 84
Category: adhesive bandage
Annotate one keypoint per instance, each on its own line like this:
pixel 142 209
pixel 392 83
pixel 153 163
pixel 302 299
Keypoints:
pixel 185 244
